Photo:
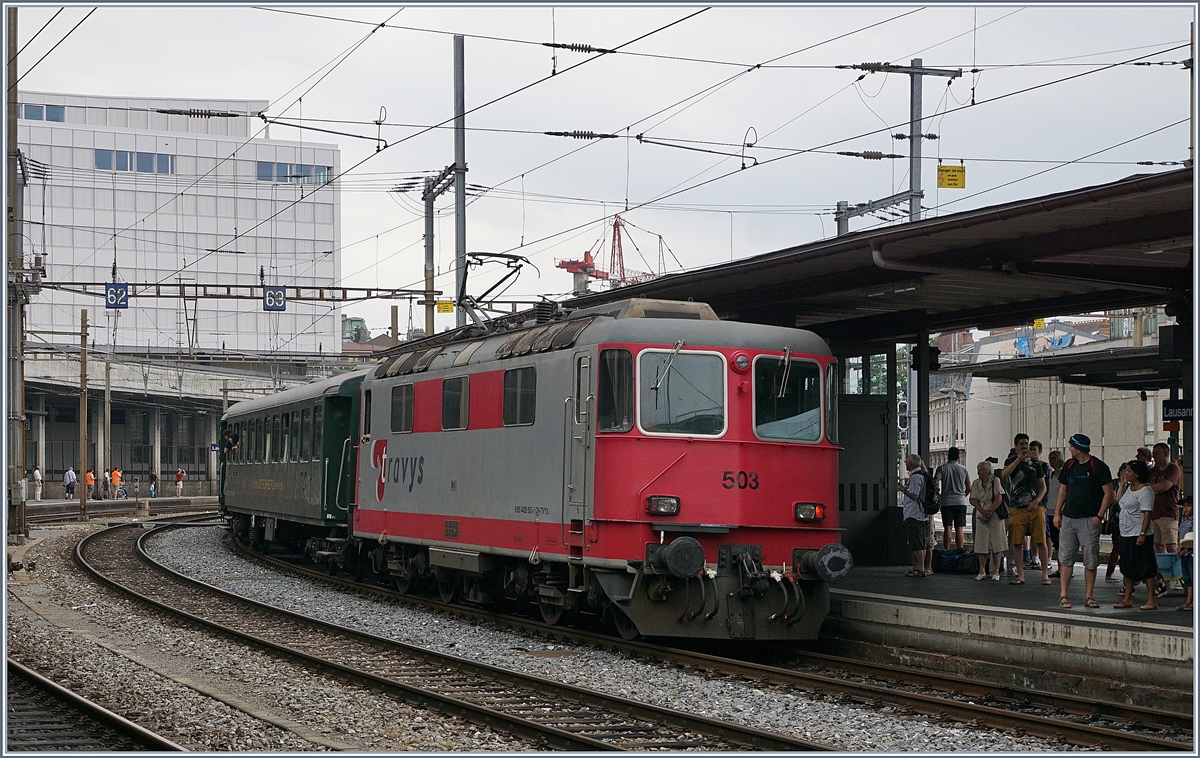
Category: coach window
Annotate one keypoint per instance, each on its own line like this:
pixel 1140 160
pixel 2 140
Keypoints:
pixel 260 440
pixel 285 436
pixel 318 440
pixel 277 437
pixel 402 408
pixel 294 442
pixel 455 403
pixel 520 395
pixel 681 392
pixel 615 391
pixel 305 434
pixel 787 399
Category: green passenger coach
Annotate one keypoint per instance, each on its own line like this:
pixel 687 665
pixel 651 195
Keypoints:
pixel 295 461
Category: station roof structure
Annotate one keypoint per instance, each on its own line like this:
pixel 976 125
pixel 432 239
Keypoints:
pixel 1123 244
pixel 1124 368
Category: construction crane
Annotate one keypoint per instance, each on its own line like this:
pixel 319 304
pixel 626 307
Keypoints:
pixel 617 274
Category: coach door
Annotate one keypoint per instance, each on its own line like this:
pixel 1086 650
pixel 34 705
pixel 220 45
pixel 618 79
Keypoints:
pixel 578 442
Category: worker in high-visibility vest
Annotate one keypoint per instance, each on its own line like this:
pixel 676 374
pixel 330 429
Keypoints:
pixel 90 481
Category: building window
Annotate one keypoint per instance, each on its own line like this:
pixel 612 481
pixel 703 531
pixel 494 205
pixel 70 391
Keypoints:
pixel 124 160
pixel 455 403
pixel 33 112
pixel 55 113
pixel 520 394
pixel 285 173
pixel 402 408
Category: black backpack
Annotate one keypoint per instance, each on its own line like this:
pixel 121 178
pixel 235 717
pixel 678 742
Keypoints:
pixel 929 495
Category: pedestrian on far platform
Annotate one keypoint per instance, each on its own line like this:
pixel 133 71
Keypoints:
pixel 916 526
pixel 179 475
pixel 1056 461
pixel 1026 488
pixel 69 480
pixel 1187 527
pixel 990 537
pixel 37 482
pixel 954 482
pixel 1138 562
pixel 1164 481
pixel 1083 501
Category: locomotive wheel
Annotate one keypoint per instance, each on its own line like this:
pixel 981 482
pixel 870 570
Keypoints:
pixel 449 585
pixel 329 566
pixel 551 613
pixel 624 625
pixel 403 584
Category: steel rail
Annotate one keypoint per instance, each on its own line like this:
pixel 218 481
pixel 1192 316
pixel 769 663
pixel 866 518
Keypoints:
pixel 556 713
pixel 64 720
pixel 942 708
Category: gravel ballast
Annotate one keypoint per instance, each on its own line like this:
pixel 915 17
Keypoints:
pixel 205 554
pixel 205 692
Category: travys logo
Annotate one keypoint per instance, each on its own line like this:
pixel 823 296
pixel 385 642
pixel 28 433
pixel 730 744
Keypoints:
pixel 409 469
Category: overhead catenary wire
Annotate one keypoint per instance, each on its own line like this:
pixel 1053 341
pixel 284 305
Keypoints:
pixel 55 47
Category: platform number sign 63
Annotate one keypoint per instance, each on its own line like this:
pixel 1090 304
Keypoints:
pixel 116 295
pixel 274 299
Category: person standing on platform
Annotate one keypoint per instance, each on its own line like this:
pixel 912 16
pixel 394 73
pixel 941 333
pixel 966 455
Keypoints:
pixel 89 481
pixel 153 484
pixel 1111 527
pixel 1187 528
pixel 990 536
pixel 1026 488
pixel 179 482
pixel 1083 500
pixel 69 482
pixel 1055 460
pixel 954 481
pixel 916 526
pixel 1164 481
pixel 1135 501
pixel 37 482
pixel 106 487
pixel 1037 561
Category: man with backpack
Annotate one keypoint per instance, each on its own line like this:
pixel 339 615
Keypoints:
pixel 917 491
pixel 1026 488
pixel 1083 502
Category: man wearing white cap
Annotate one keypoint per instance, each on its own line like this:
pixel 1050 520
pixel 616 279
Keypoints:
pixel 1082 504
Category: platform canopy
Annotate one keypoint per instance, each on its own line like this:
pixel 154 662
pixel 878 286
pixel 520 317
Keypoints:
pixel 1118 245
pixel 1124 368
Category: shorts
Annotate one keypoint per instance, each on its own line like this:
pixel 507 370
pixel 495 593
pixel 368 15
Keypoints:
pixel 954 515
pixel 1077 533
pixel 1166 531
pixel 916 533
pixel 1022 521
pixel 989 536
pixel 1051 529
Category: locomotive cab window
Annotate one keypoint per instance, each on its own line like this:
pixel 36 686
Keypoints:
pixel 681 392
pixel 455 403
pixel 615 391
pixel 402 408
pixel 831 399
pixel 520 394
pixel 787 399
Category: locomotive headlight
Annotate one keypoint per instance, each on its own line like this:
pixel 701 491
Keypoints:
pixel 809 511
pixel 741 363
pixel 662 505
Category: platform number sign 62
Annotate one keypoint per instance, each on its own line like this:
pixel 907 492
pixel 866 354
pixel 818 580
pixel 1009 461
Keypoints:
pixel 274 299
pixel 116 295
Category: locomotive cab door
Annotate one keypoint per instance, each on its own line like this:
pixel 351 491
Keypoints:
pixel 578 442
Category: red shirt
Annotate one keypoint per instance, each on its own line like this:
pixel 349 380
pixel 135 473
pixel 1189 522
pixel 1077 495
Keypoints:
pixel 1166 504
pixel 178 476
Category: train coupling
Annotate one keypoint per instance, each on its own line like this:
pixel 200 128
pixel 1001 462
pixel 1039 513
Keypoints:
pixel 832 563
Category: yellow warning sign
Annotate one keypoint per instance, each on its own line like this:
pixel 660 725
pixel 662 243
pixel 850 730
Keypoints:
pixel 445 306
pixel 952 177
pixel 1039 323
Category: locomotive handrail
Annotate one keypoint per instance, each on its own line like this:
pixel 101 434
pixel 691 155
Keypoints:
pixel 337 495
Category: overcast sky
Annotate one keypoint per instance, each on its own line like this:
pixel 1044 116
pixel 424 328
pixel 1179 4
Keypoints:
pixel 1045 89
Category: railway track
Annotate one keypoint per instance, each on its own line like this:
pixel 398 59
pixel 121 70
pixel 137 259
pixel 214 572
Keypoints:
pixel 44 716
pixel 555 715
pixel 1075 720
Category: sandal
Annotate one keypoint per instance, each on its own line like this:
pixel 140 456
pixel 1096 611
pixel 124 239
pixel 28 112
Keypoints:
pixel 914 573
pixel 1091 603
pixel 1017 581
pixel 1047 582
pixel 1123 604
pixel 1064 603
pixel 1184 608
pixel 1150 607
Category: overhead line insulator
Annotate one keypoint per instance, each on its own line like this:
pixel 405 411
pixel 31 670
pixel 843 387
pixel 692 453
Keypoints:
pixel 580 135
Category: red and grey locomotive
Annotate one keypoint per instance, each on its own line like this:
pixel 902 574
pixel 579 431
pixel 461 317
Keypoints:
pixel 643 460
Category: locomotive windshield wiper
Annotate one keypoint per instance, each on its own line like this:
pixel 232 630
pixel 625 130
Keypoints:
pixel 663 375
pixel 787 370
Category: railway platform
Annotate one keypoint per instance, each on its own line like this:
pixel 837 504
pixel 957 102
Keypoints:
pixel 995 630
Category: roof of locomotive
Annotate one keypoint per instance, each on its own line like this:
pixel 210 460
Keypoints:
pixel 331 386
pixel 639 320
